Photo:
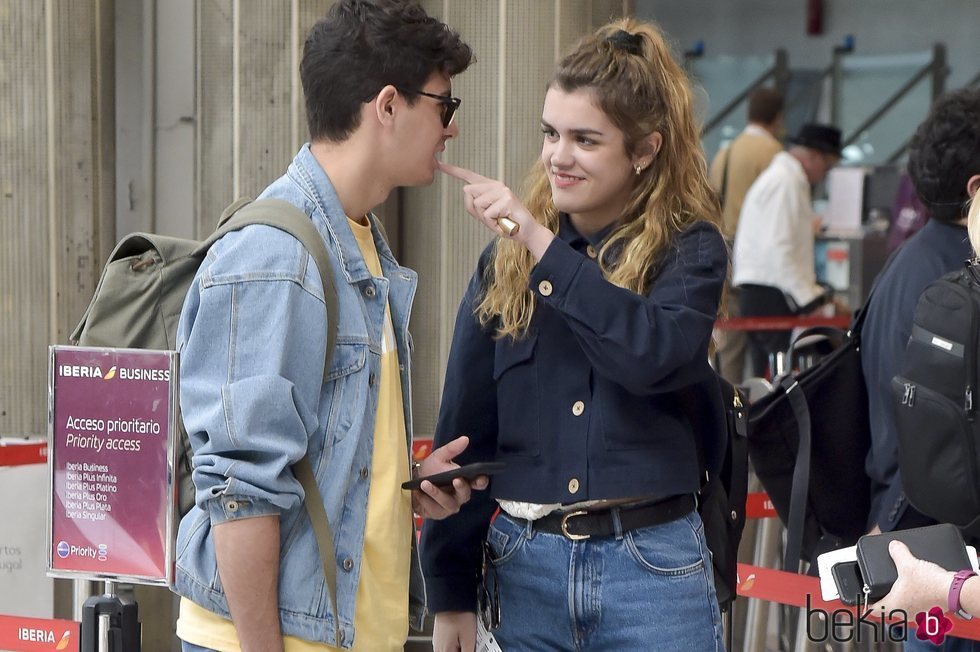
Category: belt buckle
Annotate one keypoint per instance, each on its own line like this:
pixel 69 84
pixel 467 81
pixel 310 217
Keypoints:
pixel 564 526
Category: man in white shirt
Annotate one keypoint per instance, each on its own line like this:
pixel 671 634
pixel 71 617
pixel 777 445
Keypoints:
pixel 733 171
pixel 773 253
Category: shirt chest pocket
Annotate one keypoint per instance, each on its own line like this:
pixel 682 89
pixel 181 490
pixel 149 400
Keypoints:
pixel 345 386
pixel 518 396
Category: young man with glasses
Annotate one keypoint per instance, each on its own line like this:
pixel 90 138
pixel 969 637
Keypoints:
pixel 255 397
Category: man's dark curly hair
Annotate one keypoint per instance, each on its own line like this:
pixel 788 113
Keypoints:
pixel 360 47
pixel 945 153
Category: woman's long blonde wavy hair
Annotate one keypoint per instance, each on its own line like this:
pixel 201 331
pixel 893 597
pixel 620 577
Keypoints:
pixel 641 93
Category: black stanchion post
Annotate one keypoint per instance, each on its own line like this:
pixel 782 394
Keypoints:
pixel 120 631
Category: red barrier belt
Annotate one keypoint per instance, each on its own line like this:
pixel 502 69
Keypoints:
pixel 781 323
pixel 792 589
pixel 19 454
pixel 758 505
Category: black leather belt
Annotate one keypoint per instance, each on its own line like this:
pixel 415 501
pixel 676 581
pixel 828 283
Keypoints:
pixel 585 524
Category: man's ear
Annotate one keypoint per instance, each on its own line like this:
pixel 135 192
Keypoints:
pixel 973 186
pixel 647 149
pixel 385 104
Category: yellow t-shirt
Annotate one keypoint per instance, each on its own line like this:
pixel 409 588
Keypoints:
pixel 381 608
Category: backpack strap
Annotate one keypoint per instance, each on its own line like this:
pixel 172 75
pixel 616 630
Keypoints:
pixel 303 471
pixel 287 217
pixel 801 475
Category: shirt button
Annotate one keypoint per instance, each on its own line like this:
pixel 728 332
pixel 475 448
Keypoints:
pixel 369 292
pixel 348 564
pixel 364 472
pixel 544 287
pixel 372 379
pixel 590 251
pixel 573 486
pixel 232 506
pixel 578 407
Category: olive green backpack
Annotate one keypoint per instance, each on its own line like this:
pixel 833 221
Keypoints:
pixel 139 297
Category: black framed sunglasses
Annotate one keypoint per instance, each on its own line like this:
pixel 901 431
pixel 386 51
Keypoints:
pixel 449 104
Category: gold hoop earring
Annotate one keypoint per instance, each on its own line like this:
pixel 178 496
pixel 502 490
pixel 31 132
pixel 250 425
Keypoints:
pixel 639 169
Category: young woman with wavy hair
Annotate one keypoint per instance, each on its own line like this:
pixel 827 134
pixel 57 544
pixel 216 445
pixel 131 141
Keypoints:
pixel 579 354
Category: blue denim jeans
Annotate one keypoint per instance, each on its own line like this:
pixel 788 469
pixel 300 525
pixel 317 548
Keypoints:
pixel 649 589
pixel 190 647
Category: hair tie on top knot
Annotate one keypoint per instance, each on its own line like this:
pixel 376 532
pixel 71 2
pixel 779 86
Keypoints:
pixel 623 40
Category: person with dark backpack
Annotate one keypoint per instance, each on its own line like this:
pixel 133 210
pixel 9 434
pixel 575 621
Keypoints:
pixel 270 425
pixel 944 165
pixel 920 584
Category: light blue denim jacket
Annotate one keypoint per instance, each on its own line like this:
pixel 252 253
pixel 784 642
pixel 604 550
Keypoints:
pixel 254 400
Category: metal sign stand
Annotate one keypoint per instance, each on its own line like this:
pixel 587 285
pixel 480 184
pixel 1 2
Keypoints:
pixel 109 624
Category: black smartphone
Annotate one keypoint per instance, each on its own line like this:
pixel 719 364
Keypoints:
pixel 850 584
pixel 468 471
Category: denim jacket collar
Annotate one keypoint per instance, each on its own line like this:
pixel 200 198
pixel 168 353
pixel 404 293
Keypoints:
pixel 306 172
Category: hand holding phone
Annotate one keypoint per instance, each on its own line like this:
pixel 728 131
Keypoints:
pixel 434 502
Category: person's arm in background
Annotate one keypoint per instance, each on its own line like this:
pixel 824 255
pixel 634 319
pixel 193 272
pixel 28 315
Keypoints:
pixel 922 585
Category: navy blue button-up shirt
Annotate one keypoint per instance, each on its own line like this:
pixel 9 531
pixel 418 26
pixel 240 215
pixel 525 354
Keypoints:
pixel 588 405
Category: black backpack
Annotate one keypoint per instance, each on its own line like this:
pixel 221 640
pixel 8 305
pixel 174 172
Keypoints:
pixel 935 408
pixel 808 440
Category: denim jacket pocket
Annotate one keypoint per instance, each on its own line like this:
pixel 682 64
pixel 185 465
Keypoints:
pixel 518 396
pixel 346 395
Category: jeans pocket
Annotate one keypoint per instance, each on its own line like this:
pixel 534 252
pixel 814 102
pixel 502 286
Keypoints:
pixel 505 538
pixel 671 549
